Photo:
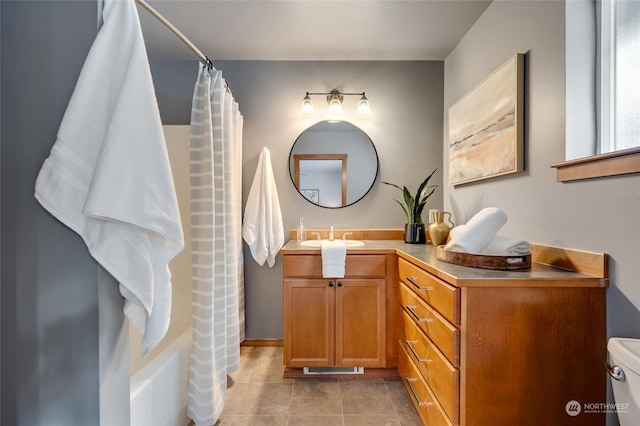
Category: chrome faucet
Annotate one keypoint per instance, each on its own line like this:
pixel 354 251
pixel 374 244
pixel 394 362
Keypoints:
pixel 344 236
pixel 331 234
pixel 317 234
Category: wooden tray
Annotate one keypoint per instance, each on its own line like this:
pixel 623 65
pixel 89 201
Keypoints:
pixel 484 261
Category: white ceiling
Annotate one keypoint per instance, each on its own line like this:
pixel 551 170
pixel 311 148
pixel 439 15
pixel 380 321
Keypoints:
pixel 310 29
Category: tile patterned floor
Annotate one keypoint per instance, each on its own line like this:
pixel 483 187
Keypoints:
pixel 259 396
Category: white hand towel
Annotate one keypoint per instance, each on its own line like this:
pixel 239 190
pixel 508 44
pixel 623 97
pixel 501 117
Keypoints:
pixel 477 232
pixel 262 227
pixel 108 175
pixel 334 257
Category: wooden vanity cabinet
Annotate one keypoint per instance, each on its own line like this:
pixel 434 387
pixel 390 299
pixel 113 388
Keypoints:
pixel 335 322
pixel 501 348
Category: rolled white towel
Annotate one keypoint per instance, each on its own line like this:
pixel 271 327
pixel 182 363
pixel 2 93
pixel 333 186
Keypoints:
pixel 505 246
pixel 476 234
pixel 455 232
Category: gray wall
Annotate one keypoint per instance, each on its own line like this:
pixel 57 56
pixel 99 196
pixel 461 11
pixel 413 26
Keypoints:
pixel 61 314
pixel 406 128
pixel 598 215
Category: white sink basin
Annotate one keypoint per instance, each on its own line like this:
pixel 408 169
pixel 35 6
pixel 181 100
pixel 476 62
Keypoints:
pixel 318 243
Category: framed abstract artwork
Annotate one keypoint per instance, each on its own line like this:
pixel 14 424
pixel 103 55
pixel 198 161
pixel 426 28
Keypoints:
pixel 486 134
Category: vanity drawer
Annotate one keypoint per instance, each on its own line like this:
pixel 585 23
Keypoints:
pixel 357 265
pixel 441 296
pixel 440 375
pixel 426 403
pixel 445 336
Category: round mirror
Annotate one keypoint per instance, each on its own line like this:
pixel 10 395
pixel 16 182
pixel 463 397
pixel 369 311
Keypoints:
pixel 333 164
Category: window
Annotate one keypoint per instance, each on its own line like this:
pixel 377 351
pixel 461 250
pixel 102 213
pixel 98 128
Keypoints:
pixel 619 46
pixel 612 147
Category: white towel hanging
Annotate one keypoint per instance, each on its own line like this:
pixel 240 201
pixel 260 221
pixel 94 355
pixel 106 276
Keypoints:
pixel 334 258
pixel 108 175
pixel 262 227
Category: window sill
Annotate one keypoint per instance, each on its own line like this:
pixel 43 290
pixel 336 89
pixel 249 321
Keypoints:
pixel 609 164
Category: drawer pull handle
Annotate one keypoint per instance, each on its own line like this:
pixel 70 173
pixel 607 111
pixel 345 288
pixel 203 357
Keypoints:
pixel 413 351
pixel 411 309
pixel 415 395
pixel 412 280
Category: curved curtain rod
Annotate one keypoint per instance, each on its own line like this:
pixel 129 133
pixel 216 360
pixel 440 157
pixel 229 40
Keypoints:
pixel 177 32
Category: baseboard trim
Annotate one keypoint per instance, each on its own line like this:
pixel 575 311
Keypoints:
pixel 263 343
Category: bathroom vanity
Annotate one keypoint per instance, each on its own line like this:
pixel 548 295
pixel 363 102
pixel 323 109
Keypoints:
pixel 472 346
pixel 340 322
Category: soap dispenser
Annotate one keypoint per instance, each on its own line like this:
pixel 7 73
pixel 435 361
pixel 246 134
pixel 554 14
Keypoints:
pixel 302 233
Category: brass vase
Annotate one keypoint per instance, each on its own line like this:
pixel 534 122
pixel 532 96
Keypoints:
pixel 438 230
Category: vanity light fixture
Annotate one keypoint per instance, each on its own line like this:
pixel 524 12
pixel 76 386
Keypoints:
pixel 334 99
pixel 307 106
pixel 335 113
pixel 364 110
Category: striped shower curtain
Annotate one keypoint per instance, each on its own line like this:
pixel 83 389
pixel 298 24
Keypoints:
pixel 216 244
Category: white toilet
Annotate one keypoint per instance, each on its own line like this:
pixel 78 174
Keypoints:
pixel 624 369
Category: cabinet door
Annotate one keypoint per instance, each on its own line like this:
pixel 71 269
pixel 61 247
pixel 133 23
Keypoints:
pixel 309 322
pixel 360 323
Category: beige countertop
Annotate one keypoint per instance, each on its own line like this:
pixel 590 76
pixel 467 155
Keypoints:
pixel 424 256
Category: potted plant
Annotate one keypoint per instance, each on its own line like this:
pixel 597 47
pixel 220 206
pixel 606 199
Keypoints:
pixel 414 229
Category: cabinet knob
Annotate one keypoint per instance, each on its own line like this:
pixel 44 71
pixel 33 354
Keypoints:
pixel 339 283
pixel 330 283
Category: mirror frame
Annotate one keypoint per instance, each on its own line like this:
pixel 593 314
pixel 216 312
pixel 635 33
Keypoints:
pixel 295 173
pixel 342 157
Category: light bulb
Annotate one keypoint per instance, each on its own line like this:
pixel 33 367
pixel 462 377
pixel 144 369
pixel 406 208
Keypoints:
pixel 364 110
pixel 335 110
pixel 307 106
pixel 335 107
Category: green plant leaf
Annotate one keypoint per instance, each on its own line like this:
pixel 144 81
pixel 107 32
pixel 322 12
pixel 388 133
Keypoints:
pixel 406 213
pixel 409 202
pixel 420 199
pixel 423 202
pixel 392 184
pixel 413 206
